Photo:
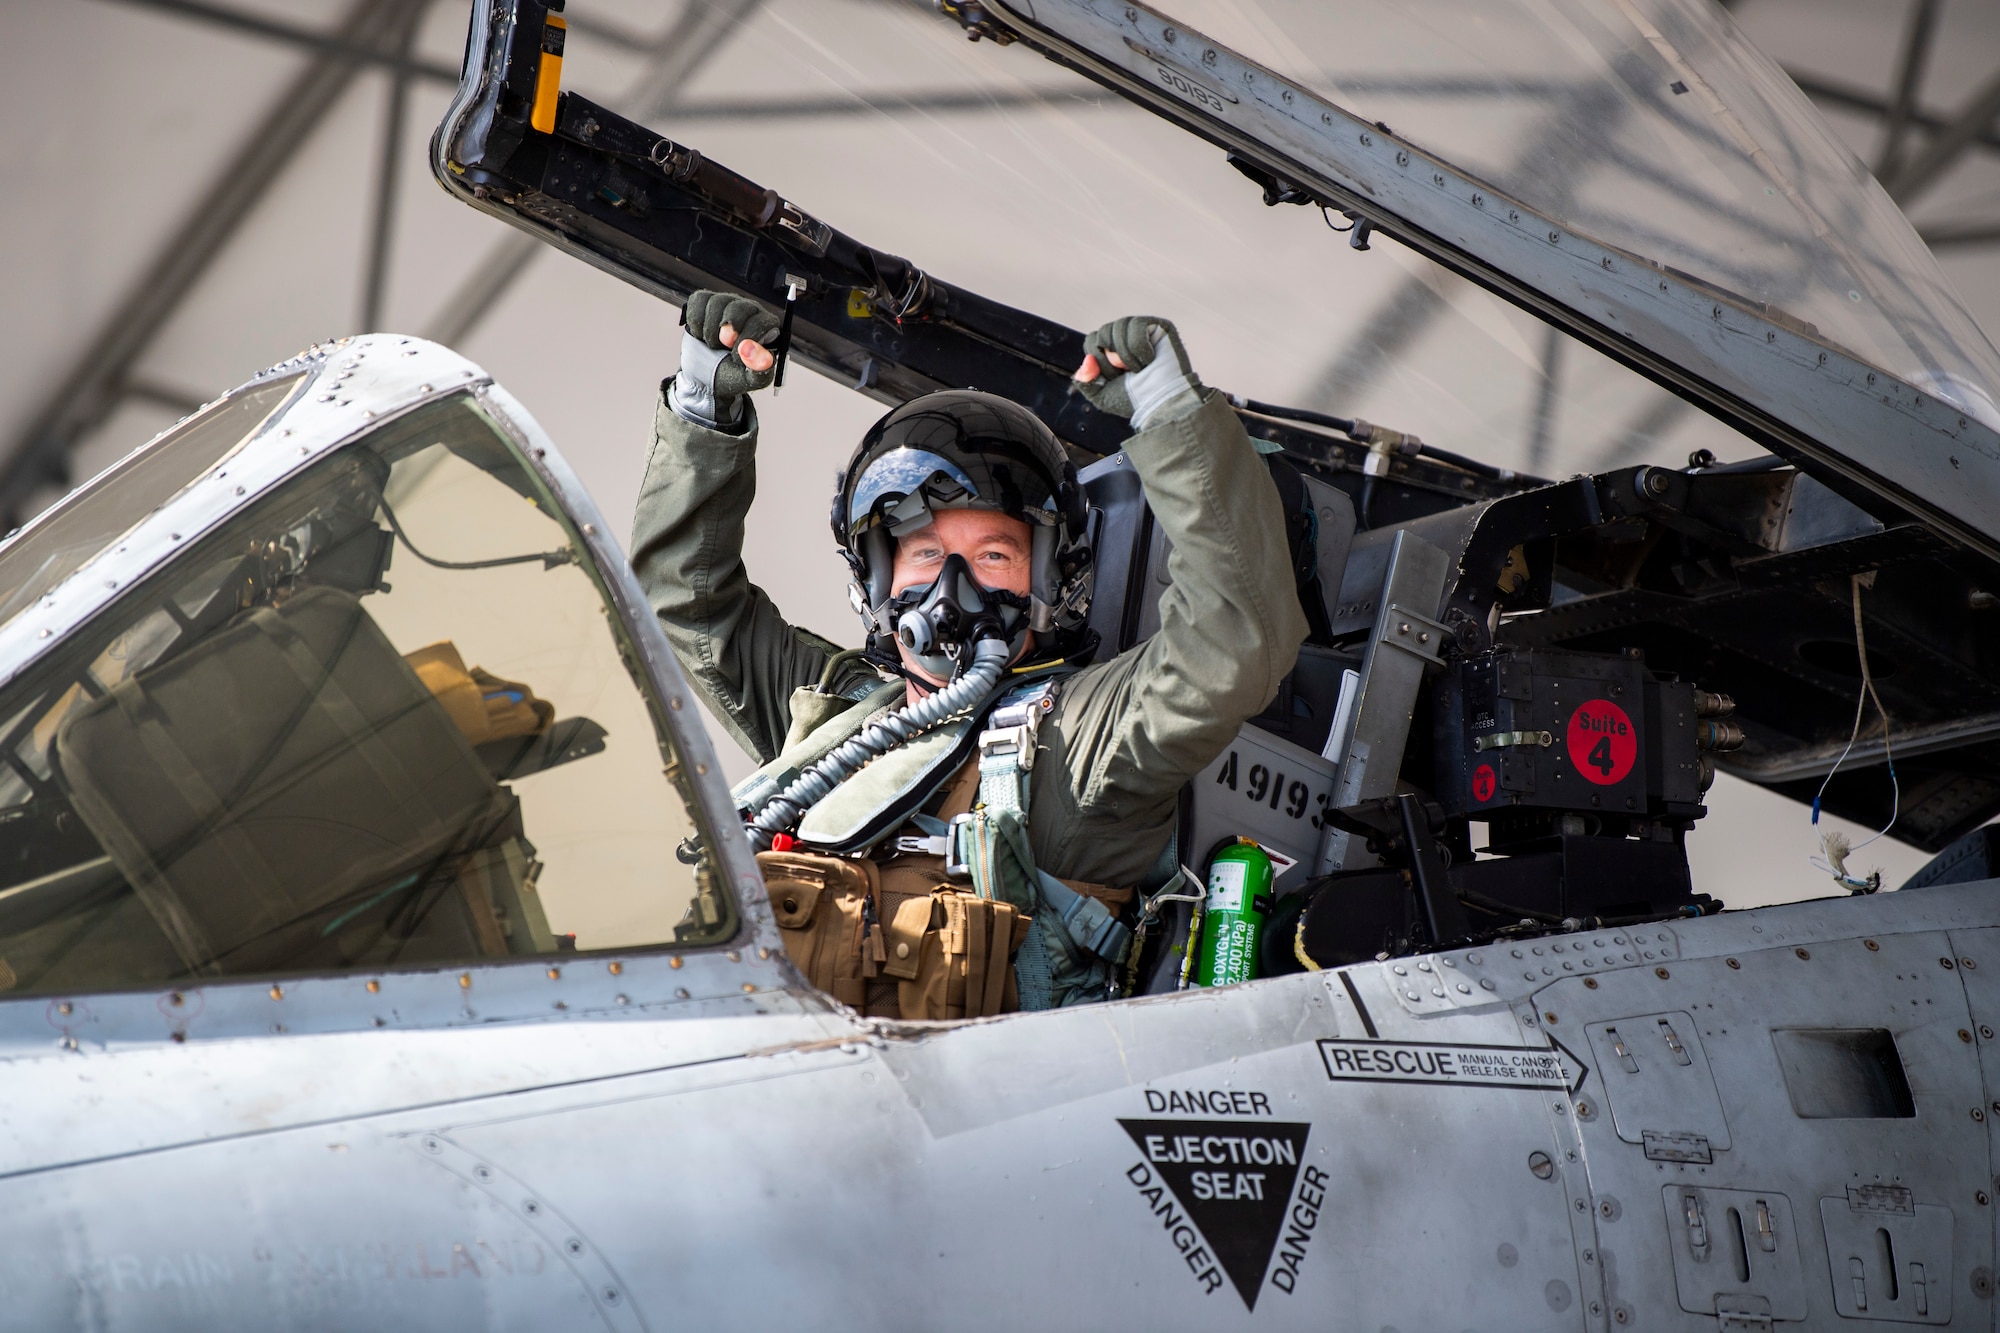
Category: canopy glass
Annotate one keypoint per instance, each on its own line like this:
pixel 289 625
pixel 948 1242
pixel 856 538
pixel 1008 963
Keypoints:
pixel 1652 126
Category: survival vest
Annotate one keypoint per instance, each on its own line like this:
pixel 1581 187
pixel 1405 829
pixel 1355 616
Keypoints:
pixel 903 911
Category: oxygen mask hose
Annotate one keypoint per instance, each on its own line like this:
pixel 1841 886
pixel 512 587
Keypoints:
pixel 783 811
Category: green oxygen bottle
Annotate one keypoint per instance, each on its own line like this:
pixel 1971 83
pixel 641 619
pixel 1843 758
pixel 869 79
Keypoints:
pixel 1239 897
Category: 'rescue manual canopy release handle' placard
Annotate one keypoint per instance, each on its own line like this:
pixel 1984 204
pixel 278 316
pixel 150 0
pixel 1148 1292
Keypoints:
pixel 1458 1064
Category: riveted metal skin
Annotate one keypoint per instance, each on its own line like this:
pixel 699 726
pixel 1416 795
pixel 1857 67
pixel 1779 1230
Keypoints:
pixel 470 1167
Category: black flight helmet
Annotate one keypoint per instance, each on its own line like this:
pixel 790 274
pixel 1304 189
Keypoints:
pixel 960 449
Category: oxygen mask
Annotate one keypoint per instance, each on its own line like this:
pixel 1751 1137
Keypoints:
pixel 939 624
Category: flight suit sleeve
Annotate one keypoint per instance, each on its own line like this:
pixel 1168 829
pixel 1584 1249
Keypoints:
pixel 687 548
pixel 1128 734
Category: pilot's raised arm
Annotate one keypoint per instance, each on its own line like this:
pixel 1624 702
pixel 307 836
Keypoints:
pixel 1127 734
pixel 742 656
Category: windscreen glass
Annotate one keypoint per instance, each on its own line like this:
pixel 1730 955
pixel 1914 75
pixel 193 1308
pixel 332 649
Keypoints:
pixel 75 531
pixel 1649 125
pixel 383 718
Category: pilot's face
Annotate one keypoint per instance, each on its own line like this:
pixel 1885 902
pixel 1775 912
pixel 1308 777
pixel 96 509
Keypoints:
pixel 998 549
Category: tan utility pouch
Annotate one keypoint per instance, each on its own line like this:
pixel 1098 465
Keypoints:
pixel 819 901
pixel 935 950
pixel 966 967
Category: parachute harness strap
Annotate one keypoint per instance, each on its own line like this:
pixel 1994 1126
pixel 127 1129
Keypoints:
pixel 1077 948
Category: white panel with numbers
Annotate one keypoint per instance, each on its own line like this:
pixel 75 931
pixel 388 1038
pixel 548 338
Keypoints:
pixel 1266 789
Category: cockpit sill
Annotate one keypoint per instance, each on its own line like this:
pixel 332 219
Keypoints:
pixel 350 388
pixel 724 981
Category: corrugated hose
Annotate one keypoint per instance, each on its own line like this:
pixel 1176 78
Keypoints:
pixel 782 812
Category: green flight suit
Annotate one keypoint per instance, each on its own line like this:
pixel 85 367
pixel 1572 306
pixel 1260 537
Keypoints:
pixel 1125 734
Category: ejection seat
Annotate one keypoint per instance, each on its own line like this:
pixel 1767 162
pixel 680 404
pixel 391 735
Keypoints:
pixel 1275 780
pixel 341 773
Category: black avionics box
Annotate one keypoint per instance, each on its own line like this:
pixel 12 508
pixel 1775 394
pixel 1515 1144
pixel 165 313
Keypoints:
pixel 1525 728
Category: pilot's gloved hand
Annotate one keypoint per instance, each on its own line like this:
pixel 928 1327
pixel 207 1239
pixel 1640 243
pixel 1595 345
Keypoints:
pixel 725 353
pixel 1136 367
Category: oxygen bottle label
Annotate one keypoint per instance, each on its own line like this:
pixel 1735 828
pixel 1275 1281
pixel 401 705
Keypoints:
pixel 1239 886
pixel 1226 885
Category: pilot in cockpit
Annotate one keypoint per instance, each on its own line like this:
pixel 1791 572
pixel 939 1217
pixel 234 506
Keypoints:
pixel 969 814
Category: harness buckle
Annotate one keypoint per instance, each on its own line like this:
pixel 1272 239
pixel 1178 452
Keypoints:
pixel 953 847
pixel 1017 741
pixel 913 845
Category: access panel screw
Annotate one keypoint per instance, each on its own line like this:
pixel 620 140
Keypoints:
pixel 1543 1165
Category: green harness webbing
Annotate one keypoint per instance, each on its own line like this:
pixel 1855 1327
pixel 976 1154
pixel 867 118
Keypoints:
pixel 1076 949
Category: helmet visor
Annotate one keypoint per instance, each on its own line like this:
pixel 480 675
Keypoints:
pixel 905 485
pixel 901 473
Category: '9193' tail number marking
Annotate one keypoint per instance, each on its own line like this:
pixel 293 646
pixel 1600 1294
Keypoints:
pixel 1263 786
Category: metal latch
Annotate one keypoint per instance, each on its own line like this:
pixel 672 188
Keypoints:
pixel 1619 1048
pixel 1504 738
pixel 913 845
pixel 1674 1042
pixel 1696 1227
